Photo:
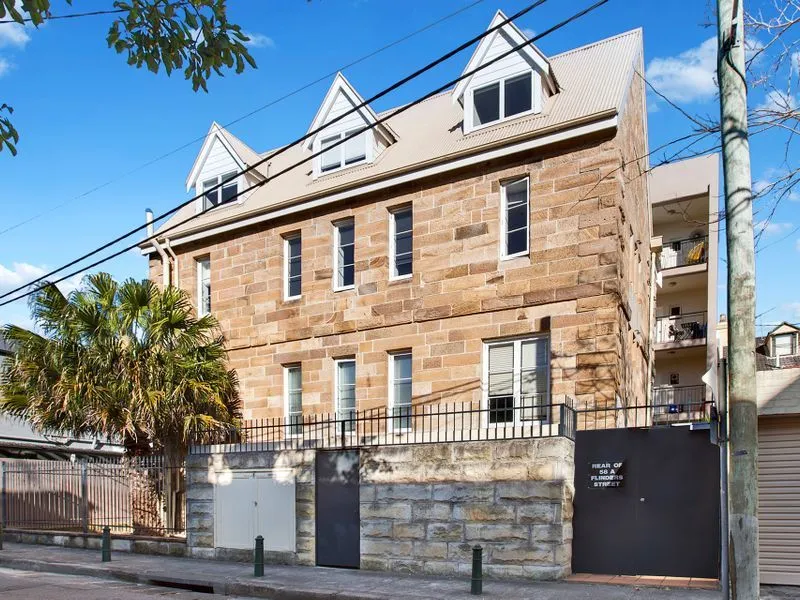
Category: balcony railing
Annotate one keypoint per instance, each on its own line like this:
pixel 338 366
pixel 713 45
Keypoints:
pixel 680 328
pixel 680 253
pixel 671 400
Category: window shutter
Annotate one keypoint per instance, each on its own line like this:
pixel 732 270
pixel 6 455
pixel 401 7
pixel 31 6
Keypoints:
pixel 501 370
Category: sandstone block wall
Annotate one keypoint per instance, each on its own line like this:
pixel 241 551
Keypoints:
pixel 424 506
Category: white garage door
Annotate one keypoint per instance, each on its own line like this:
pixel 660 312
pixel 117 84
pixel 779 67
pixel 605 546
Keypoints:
pixel 779 500
pixel 251 503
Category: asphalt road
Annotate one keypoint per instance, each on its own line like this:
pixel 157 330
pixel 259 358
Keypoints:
pixel 31 585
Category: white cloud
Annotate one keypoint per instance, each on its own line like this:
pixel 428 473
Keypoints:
pixel 778 101
pixel 768 228
pixel 687 77
pixel 529 33
pixel 13 34
pixel 22 273
pixel 5 66
pixel 258 40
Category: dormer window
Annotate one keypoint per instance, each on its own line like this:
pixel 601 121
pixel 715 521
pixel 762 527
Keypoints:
pixel 221 195
pixel 785 344
pixel 351 152
pixel 502 100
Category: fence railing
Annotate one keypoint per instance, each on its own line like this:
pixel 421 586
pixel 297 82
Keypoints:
pixel 645 415
pixel 418 424
pixel 679 399
pixel 134 497
pixel 680 253
pixel 678 328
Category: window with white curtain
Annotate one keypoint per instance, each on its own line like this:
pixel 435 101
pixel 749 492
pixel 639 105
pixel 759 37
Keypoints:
pixel 515 218
pixel 517 380
pixel 203 287
pixel 293 392
pixel 351 152
pixel 401 243
pixel 345 370
pixel 344 254
pixel 400 390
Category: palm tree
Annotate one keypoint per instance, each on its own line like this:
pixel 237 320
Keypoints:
pixel 127 361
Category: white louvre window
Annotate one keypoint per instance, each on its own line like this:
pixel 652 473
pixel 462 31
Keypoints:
pixel 351 152
pixel 400 390
pixel 292 267
pixel 515 218
pixel 401 244
pixel 784 344
pixel 346 392
pixel 502 100
pixel 518 380
pixel 344 255
pixel 293 382
pixel 203 287
pixel 222 195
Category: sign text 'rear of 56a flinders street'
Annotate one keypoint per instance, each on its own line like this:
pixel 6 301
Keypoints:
pixel 606 474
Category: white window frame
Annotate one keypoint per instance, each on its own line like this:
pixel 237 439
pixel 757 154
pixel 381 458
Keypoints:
pixel 504 219
pixel 393 242
pixel 286 273
pixel 217 179
pixel 469 105
pixel 336 399
pixel 392 357
pixel 517 383
pixel 286 395
pixel 369 142
pixel 337 287
pixel 203 266
pixel 792 344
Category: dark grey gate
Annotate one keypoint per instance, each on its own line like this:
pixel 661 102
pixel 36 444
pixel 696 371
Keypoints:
pixel 646 503
pixel 337 511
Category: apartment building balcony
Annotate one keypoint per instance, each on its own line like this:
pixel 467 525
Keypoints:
pixel 679 257
pixel 681 331
pixel 679 403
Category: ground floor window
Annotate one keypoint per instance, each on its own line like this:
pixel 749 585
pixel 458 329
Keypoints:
pixel 517 387
pixel 293 382
pixel 400 390
pixel 346 392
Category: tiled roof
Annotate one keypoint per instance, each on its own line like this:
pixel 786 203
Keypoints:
pixel 593 82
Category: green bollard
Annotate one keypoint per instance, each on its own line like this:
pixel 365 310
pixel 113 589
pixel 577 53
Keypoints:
pixel 106 550
pixel 258 558
pixel 477 571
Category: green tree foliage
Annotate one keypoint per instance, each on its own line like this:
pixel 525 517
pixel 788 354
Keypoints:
pixel 129 361
pixel 193 36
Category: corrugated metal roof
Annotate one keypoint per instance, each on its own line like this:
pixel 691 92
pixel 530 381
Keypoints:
pixel 594 80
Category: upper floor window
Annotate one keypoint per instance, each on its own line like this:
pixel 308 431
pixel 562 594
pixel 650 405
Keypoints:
pixel 203 287
pixel 785 345
pixel 351 152
pixel 344 254
pixel 518 380
pixel 221 195
pixel 400 243
pixel 515 218
pixel 503 99
pixel 292 267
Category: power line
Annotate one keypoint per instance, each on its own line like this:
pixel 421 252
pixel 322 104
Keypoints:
pixel 243 117
pixel 380 120
pixel 299 140
pixel 94 13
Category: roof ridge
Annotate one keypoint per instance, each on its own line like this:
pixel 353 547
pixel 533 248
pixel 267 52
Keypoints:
pixel 634 31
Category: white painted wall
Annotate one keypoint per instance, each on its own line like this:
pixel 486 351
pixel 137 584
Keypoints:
pixel 218 162
pixel 778 392
pixel 689 367
pixel 690 301
pixel 514 64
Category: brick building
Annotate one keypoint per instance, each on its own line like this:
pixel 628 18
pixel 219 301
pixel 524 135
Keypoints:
pixel 489 245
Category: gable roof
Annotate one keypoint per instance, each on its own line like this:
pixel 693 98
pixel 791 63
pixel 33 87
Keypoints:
pixel 594 82
pixel 785 324
pixel 239 151
pixel 339 86
pixel 515 35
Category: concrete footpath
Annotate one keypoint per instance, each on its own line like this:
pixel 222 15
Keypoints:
pixel 314 583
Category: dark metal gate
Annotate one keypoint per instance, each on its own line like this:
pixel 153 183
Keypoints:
pixel 646 503
pixel 338 531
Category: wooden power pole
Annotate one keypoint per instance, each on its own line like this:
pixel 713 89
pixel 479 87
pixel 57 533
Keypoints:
pixel 743 409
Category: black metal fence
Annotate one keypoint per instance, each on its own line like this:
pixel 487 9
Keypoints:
pixel 131 496
pixel 418 424
pixel 645 415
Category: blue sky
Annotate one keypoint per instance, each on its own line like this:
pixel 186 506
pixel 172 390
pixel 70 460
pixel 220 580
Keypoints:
pixel 86 118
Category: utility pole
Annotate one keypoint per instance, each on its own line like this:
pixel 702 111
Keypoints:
pixel 743 410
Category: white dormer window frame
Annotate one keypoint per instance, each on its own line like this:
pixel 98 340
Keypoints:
pixel 346 156
pixel 501 83
pixel 791 338
pixel 231 179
